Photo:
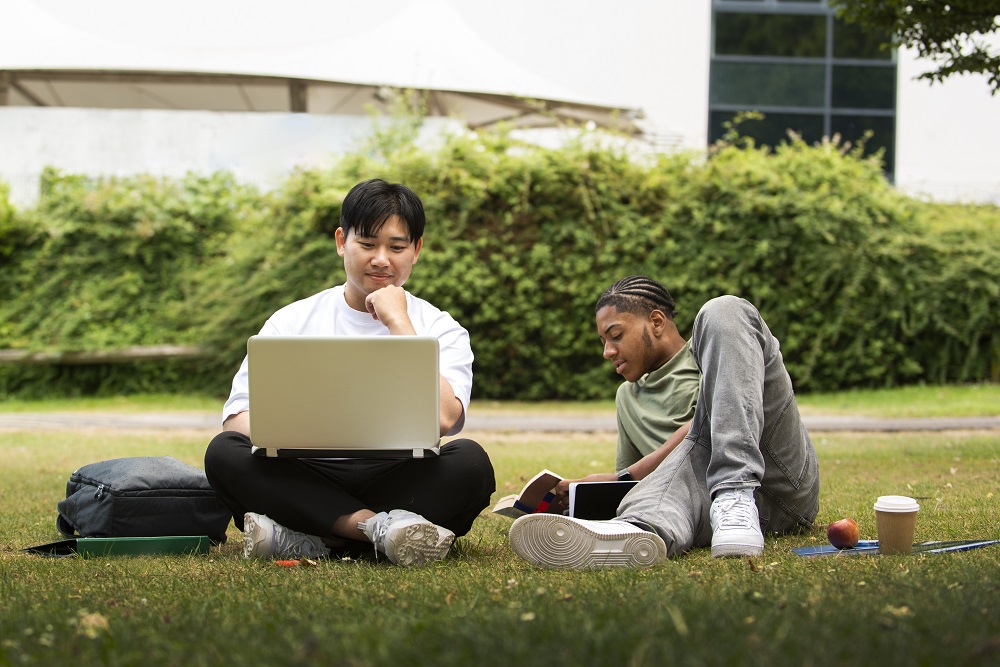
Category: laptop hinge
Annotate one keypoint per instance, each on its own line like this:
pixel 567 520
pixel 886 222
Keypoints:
pixel 418 453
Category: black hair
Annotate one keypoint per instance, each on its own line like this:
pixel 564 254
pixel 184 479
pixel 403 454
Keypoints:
pixel 638 295
pixel 370 203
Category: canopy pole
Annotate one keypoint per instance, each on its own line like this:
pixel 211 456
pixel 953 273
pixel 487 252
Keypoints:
pixel 297 96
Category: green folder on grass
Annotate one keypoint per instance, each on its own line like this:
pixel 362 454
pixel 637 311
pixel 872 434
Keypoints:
pixel 124 546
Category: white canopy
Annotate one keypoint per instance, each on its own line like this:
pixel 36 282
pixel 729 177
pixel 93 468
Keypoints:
pixel 261 55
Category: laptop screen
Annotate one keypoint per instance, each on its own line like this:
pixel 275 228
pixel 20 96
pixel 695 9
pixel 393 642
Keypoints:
pixel 343 394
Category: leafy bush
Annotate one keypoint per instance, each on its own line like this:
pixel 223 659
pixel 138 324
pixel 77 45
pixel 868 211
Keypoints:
pixel 521 240
pixel 105 264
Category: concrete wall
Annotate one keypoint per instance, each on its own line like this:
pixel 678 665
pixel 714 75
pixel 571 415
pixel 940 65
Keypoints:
pixel 258 148
pixel 651 54
pixel 947 136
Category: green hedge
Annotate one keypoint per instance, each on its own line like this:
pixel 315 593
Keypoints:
pixel 521 240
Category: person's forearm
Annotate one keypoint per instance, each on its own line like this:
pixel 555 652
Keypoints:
pixel 651 461
pixel 639 469
pixel 401 326
pixel 451 407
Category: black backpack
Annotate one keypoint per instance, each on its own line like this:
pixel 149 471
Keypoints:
pixel 142 496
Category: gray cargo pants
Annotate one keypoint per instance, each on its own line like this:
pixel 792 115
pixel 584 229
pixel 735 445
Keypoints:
pixel 746 433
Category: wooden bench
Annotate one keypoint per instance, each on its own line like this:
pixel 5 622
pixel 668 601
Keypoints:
pixel 126 354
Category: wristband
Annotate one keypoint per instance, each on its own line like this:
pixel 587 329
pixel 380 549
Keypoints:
pixel 625 476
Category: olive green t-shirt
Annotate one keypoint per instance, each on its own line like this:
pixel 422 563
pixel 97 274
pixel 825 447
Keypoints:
pixel 654 406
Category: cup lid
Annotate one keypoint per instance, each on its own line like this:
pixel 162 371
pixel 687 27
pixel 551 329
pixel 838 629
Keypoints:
pixel 896 504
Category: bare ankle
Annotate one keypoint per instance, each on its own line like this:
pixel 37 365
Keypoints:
pixel 347 525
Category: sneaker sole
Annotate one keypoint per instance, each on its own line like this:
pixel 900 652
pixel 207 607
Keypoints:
pixel 418 543
pixel 736 550
pixel 553 541
pixel 250 540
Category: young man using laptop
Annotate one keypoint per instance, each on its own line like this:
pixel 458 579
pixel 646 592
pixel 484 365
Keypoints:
pixel 410 509
pixel 745 466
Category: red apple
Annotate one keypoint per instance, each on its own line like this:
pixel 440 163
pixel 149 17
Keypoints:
pixel 843 534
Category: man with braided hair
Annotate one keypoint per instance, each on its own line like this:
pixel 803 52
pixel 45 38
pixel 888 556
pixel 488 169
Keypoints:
pixel 744 465
pixel 655 404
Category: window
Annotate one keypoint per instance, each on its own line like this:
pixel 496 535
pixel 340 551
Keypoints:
pixel 744 34
pixel 807 72
pixel 756 85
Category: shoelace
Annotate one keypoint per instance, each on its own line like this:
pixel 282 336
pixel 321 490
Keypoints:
pixel 735 512
pixel 377 532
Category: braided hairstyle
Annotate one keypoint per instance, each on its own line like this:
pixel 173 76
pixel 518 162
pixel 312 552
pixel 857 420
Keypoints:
pixel 638 295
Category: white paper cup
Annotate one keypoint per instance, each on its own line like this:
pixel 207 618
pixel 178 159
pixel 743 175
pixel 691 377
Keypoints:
pixel 896 518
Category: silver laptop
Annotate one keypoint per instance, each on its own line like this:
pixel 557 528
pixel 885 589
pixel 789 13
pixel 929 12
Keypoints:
pixel 371 396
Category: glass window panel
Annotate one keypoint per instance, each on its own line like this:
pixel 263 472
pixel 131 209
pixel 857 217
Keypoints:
pixel 851 41
pixel 797 35
pixel 859 87
pixel 764 84
pixel 853 128
pixel 770 131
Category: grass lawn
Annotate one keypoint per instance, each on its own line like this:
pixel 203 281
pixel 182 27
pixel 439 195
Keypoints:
pixel 483 606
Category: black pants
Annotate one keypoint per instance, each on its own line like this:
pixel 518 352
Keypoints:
pixel 309 495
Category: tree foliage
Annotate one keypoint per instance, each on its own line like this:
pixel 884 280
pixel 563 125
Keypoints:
pixel 520 242
pixel 955 34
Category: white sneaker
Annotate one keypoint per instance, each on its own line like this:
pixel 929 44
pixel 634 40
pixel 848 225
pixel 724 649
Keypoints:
pixel 266 538
pixel 407 538
pixel 735 524
pixel 556 541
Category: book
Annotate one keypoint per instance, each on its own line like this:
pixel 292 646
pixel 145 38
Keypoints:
pixel 536 497
pixel 597 500
pixel 586 500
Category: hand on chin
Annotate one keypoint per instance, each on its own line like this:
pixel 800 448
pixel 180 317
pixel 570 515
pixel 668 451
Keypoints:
pixel 386 300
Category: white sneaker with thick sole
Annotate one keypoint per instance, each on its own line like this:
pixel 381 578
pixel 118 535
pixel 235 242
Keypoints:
pixel 407 538
pixel 557 541
pixel 264 537
pixel 735 524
